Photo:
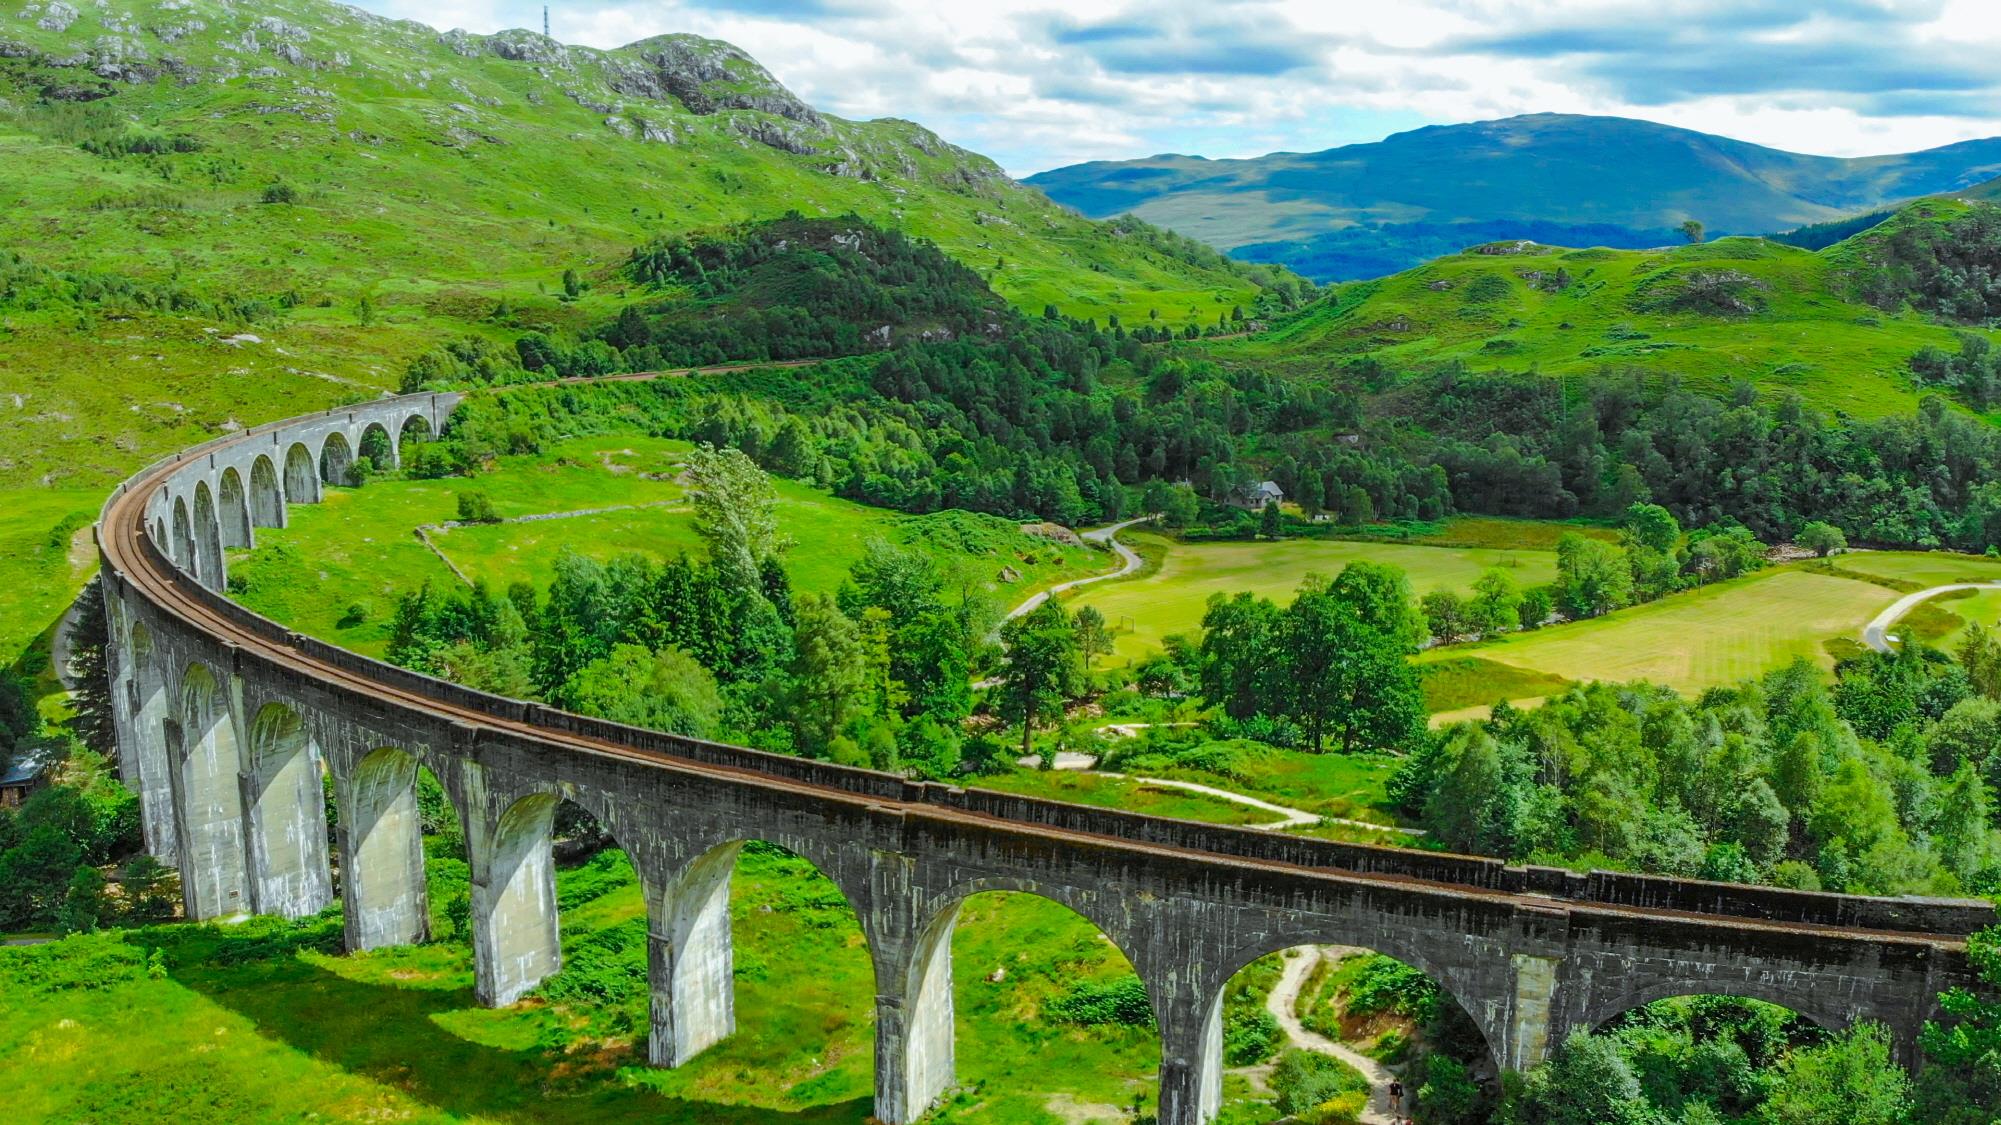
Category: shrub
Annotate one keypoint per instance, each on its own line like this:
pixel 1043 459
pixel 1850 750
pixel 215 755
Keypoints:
pixel 476 507
pixel 1121 1002
pixel 1317 1088
pixel 1384 984
pixel 280 192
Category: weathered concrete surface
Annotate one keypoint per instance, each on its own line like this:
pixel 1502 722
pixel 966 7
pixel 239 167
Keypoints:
pixel 226 721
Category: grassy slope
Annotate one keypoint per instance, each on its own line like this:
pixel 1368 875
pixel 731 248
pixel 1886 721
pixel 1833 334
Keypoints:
pixel 227 1035
pixel 435 179
pixel 359 547
pixel 1170 597
pixel 1810 338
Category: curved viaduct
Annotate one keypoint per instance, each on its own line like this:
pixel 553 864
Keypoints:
pixel 226 722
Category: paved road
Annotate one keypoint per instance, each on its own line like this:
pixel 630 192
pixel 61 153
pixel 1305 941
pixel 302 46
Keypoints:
pixel 1876 634
pixel 1283 1004
pixel 1130 561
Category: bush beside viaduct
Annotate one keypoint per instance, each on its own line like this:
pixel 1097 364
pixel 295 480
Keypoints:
pixel 227 722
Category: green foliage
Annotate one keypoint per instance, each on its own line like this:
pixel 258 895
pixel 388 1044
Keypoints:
pixel 1593 576
pixel 1120 1002
pixel 1961 1080
pixel 1041 669
pixel 82 962
pixel 1821 538
pixel 1333 661
pixel 1306 1082
pixel 1848 1080
pixel 1448 1095
pixel 666 690
pixel 1383 984
pixel 475 506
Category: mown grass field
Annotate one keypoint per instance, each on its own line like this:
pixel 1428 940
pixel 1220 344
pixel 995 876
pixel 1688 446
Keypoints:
pixel 359 549
pixel 1170 597
pixel 235 1027
pixel 1701 638
pixel 1801 332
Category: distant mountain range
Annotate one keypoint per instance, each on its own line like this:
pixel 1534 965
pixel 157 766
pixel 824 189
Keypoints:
pixel 1367 210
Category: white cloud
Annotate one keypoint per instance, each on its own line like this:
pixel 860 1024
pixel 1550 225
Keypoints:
pixel 1037 84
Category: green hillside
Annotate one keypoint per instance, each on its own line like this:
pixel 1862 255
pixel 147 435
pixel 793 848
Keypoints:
pixel 1709 315
pixel 1366 210
pixel 348 190
pixel 214 215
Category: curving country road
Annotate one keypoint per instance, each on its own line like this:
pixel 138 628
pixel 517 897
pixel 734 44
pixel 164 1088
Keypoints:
pixel 1876 634
pixel 1130 561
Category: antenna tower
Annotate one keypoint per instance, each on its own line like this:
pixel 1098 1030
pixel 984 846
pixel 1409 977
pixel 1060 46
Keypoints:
pixel 545 21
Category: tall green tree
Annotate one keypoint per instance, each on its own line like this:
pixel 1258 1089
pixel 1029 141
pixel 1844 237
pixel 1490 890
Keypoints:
pixel 1592 576
pixel 666 690
pixel 734 501
pixel 1041 670
pixel 827 679
pixel 1094 637
pixel 1238 653
pixel 90 670
pixel 1343 649
pixel 1496 604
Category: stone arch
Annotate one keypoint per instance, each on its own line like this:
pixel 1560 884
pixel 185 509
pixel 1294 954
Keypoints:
pixel 289 874
pixel 207 538
pixel 336 455
pixel 160 539
pixel 515 928
pixel 302 475
pixel 233 509
pixel 415 428
pixel 143 759
pixel 377 444
pixel 267 500
pixel 922 1065
pixel 208 798
pixel 1809 1004
pixel 1206 1042
pixel 382 852
pixel 181 548
pixel 692 948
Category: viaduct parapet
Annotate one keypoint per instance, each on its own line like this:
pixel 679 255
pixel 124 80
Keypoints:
pixel 227 721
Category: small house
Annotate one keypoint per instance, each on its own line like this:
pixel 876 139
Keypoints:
pixel 22 778
pixel 1256 496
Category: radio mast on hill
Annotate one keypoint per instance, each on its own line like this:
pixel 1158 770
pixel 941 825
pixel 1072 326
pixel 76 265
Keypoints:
pixel 545 21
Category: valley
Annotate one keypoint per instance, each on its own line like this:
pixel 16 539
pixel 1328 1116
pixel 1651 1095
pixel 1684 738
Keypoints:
pixel 1158 642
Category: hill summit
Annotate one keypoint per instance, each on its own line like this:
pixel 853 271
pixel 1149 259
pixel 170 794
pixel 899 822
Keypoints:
pixel 217 213
pixel 1365 210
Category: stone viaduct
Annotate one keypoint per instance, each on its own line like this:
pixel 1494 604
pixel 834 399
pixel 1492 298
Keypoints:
pixel 227 721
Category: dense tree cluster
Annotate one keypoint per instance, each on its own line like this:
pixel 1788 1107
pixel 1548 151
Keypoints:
pixel 1879 784
pixel 1522 445
pixel 1949 267
pixel 1712 1059
pixel 878 674
pixel 1332 664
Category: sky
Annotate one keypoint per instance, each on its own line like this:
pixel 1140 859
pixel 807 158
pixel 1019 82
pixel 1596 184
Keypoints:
pixel 1037 84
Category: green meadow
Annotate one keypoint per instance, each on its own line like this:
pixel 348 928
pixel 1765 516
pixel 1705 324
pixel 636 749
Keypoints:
pixel 264 1022
pixel 46 553
pixel 1579 312
pixel 1701 638
pixel 338 569
pixel 1170 596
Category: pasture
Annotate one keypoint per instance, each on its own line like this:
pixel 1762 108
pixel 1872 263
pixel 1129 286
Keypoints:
pixel 338 569
pixel 1702 638
pixel 1169 597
